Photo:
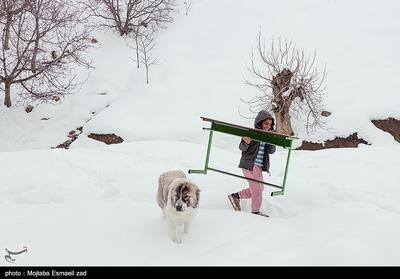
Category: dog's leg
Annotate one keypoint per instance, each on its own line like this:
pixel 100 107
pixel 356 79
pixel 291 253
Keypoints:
pixel 186 226
pixel 174 234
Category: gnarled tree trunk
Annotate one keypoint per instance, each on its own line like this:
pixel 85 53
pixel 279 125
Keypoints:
pixel 283 124
pixel 280 84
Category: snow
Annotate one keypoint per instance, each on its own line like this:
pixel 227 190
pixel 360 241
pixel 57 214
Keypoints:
pixel 94 204
pixel 340 208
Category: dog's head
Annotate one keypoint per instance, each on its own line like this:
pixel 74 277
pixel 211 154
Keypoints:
pixel 184 194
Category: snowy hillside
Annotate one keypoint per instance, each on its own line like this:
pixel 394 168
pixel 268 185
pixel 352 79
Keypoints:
pixel 205 62
pixel 203 65
pixel 81 205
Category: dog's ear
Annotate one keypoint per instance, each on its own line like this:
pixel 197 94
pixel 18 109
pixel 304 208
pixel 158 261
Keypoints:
pixel 197 197
pixel 195 187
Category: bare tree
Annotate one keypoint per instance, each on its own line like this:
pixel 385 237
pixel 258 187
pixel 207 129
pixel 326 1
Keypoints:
pixel 9 9
pixel 137 34
pixel 129 15
pixel 132 18
pixel 188 5
pixel 289 82
pixel 41 44
pixel 146 45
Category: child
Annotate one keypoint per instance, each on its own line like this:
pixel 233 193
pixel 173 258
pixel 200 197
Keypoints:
pixel 254 160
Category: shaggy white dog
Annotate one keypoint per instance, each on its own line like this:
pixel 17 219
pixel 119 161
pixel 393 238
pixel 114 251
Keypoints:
pixel 178 198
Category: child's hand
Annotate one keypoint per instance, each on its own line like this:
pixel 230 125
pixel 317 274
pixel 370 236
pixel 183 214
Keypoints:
pixel 246 139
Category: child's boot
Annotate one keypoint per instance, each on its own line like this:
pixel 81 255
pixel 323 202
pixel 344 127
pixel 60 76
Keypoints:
pixel 234 198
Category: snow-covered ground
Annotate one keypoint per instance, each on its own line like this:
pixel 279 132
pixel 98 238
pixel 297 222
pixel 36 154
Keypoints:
pixel 97 207
pixel 95 204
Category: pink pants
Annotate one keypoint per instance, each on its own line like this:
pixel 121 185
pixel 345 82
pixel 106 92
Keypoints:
pixel 255 189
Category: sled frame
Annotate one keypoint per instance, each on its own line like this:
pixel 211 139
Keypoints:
pixel 255 134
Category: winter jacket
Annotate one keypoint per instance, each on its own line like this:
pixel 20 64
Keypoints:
pixel 249 151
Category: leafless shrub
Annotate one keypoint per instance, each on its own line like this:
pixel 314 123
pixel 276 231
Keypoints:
pixel 289 82
pixel 146 46
pixel 188 5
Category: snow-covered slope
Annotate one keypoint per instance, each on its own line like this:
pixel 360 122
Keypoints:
pixel 203 58
pixel 205 55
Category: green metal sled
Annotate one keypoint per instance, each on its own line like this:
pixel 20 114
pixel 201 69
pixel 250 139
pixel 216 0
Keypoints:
pixel 255 134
